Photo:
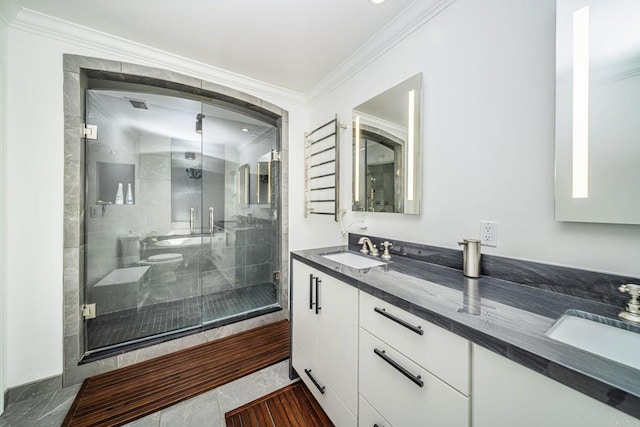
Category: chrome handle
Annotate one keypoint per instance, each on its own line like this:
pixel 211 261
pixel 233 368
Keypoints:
pixel 210 220
pixel 192 214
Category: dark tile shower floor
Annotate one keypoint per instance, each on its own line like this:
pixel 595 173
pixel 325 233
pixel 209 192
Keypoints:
pixel 146 321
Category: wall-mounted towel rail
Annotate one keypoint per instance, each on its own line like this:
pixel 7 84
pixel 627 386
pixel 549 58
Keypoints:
pixel 322 167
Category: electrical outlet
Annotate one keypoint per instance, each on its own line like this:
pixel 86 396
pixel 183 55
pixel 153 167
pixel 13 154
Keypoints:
pixel 489 233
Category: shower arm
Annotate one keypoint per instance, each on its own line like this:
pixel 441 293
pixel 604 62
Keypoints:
pixel 192 213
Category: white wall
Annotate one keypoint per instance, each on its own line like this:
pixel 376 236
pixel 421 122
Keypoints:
pixel 3 116
pixel 34 197
pixel 488 137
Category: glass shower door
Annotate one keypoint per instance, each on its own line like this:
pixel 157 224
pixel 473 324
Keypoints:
pixel 141 261
pixel 182 216
pixel 241 199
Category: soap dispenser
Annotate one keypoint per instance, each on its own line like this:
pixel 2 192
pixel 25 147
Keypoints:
pixel 470 257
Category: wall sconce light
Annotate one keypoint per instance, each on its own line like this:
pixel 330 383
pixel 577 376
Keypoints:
pixel 580 128
pixel 199 118
pixel 411 144
pixel 356 195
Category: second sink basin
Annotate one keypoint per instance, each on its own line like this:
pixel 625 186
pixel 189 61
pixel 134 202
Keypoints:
pixel 609 338
pixel 354 261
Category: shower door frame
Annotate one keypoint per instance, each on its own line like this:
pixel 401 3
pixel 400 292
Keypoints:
pixel 78 70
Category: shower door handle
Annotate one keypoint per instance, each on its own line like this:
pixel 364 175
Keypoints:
pixel 192 214
pixel 210 220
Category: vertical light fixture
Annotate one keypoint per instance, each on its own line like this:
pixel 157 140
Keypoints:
pixel 411 144
pixel 580 125
pixel 269 180
pixel 356 177
pixel 246 185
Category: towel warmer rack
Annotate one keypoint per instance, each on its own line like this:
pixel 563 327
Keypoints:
pixel 322 169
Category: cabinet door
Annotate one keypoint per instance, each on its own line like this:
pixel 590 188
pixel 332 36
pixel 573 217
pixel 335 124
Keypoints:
pixel 338 339
pixel 508 394
pixel 305 323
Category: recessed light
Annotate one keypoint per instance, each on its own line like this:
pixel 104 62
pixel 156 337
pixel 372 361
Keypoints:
pixel 244 130
pixel 376 2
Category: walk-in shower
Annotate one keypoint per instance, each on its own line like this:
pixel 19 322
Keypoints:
pixel 182 208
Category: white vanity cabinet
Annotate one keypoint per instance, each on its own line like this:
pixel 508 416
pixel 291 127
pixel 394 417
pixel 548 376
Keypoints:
pixel 508 394
pixel 411 373
pixel 325 341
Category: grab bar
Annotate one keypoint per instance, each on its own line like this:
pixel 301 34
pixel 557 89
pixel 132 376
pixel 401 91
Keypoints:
pixel 210 219
pixel 192 214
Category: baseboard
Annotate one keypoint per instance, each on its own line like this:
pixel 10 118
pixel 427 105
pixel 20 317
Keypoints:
pixel 32 389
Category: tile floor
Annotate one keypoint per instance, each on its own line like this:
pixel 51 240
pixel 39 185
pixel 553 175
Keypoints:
pixel 206 410
pixel 127 325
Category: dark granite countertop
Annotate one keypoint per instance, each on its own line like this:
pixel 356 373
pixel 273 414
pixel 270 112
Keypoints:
pixel 508 318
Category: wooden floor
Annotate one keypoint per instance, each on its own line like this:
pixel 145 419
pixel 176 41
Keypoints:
pixel 292 406
pixel 121 396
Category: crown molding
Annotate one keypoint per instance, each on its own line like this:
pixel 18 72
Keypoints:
pixel 8 10
pixel 412 18
pixel 47 26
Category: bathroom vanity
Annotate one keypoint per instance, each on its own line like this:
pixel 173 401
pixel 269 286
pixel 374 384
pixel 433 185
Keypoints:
pixel 409 343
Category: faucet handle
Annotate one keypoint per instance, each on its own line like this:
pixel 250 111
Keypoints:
pixel 386 255
pixel 632 309
pixel 631 289
pixel 363 242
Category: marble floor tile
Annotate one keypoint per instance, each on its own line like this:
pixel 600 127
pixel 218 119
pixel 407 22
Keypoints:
pixel 45 410
pixel 205 410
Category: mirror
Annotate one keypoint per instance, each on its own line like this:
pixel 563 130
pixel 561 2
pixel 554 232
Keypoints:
pixel 243 185
pixel 263 183
pixel 597 178
pixel 386 150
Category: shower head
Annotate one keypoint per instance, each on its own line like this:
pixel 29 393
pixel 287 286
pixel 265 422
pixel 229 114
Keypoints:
pixel 138 104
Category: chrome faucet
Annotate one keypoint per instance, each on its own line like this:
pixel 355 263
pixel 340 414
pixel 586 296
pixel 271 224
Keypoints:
pixel 632 309
pixel 365 241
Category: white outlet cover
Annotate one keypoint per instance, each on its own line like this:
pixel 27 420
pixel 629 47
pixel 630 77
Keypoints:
pixel 489 233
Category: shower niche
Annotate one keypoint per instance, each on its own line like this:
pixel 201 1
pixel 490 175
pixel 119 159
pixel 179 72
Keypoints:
pixel 115 180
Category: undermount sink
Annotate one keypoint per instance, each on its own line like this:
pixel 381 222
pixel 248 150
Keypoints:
pixel 609 338
pixel 352 260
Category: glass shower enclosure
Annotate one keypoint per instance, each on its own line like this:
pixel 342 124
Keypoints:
pixel 181 216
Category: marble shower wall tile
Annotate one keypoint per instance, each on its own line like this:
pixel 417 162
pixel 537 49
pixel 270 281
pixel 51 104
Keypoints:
pixel 73 63
pixel 71 313
pixel 157 73
pixel 71 271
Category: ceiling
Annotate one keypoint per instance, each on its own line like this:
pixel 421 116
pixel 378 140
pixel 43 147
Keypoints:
pixel 288 43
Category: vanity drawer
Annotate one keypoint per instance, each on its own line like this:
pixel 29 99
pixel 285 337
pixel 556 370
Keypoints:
pixel 444 354
pixel 404 393
pixel 369 417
